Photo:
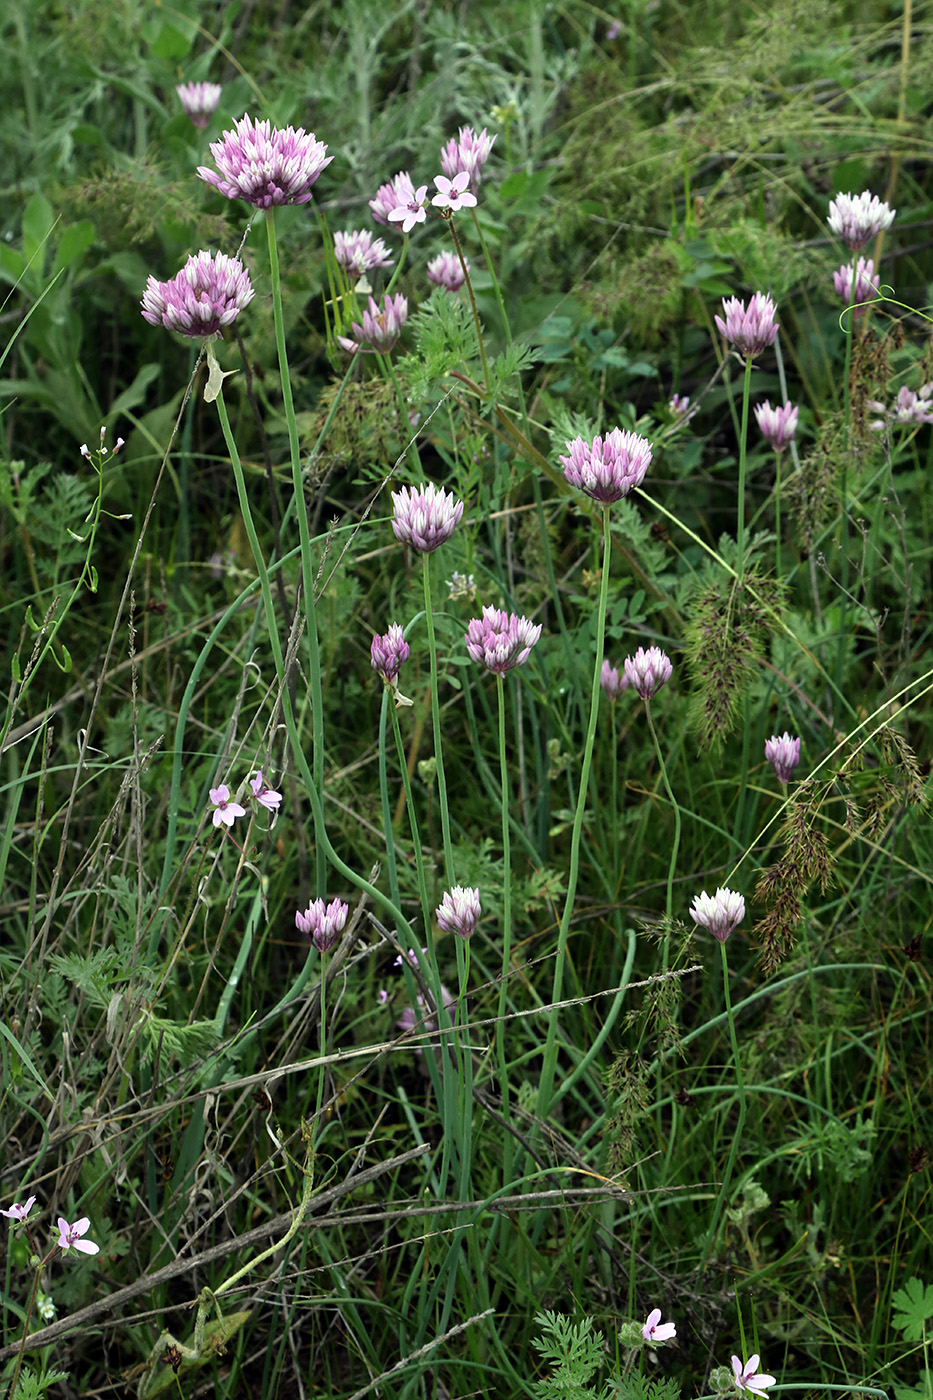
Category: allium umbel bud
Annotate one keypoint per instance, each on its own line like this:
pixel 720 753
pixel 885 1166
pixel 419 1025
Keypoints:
pixel 749 331
pixel 720 914
pixel 648 670
pixel 609 467
pixel 322 926
pixel 783 754
pixel 459 910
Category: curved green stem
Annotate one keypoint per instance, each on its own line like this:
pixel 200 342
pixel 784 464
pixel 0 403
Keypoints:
pixel 508 1145
pixel 469 287
pixel 739 1127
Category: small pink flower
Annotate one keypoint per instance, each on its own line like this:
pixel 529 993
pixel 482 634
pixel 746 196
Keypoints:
pixel 459 910
pixel 397 191
pixel 69 1236
pixel 908 408
pixel 648 670
pixel 468 153
pixel 778 424
pixel 199 101
pixel 609 467
pixel 425 516
pixel 866 286
pixel 380 328
pixel 263 795
pixel 720 914
pixel 501 641
pixel 388 652
pixel 445 270
pixel 453 194
pixel 322 926
pixel 747 1378
pixel 358 253
pixel 411 211
pixel 18 1212
pixel 783 754
pixel 679 405
pixel 749 331
pixel 858 218
pixel 655 1330
pixel 226 812
pixel 612 682
pixel 265 165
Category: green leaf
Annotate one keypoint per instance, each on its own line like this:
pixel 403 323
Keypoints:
pixel 15 668
pixel 73 244
pixel 915 1304
pixel 38 222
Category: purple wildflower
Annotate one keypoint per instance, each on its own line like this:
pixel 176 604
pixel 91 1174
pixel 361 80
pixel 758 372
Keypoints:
pixel 264 165
pixel 655 1330
pixel 749 331
pixel 453 194
pixel 501 641
pixel 226 812
pixel 322 926
pixel 380 328
pixel 411 210
pixel 648 670
pixel 208 293
pixel 609 467
pixel 69 1236
pixel 446 271
pixel 612 682
pixel 778 424
pixel 19 1212
pixel 199 101
pixel 264 795
pixel 389 651
pixel 783 754
pixel 747 1377
pixel 679 405
pixel 425 516
pixel 423 1016
pixel 908 408
pixel 858 218
pixel 358 253
pixel 865 285
pixel 469 153
pixel 459 910
pixel 720 914
pixel 396 192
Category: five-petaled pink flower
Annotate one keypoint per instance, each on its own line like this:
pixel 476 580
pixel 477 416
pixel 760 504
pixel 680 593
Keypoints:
pixel 265 796
pixel 264 165
pixel 411 211
pixel 720 914
pixel 648 670
pixel 783 753
pixel 777 424
pixel 19 1212
pixel 226 812
pixel 747 1377
pixel 69 1236
pixel 501 641
pixel 199 101
pixel 655 1330
pixel 908 408
pixel 395 192
pixel 453 194
pixel 323 926
pixel 459 910
pixel 749 331
pixel 609 467
pixel 425 516
pixel 207 294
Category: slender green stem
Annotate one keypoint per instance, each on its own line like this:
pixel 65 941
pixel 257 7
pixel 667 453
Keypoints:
pixel 436 717
pixel 743 435
pixel 469 287
pixel 550 1049
pixel 740 1125
pixel 675 844
pixel 508 1145
pixel 844 484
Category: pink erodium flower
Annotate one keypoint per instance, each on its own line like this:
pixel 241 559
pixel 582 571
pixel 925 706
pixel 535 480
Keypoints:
pixel 500 641
pixel 322 926
pixel 411 211
pixel 609 467
pixel 358 253
pixel 459 910
pixel 226 812
pixel 69 1236
pixel 778 424
pixel 783 754
pixel 858 218
pixel 908 408
pixel 19 1212
pixel 655 1330
pixel 866 285
pixel 265 165
pixel 199 101
pixel 446 271
pixel 720 914
pixel 380 327
pixel 468 153
pixel 749 331
pixel 264 795
pixel 648 670
pixel 207 294
pixel 392 195
pixel 747 1377
pixel 425 516
pixel 612 682
pixel 453 194
pixel 679 405
pixel 388 652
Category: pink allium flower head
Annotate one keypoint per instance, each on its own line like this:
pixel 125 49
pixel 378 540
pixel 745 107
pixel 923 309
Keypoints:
pixel 446 271
pixel 609 467
pixel 866 286
pixel 322 926
pixel 679 405
pixel 648 670
pixel 199 101
pixel 380 328
pixel 749 331
pixel 226 811
pixel 469 153
pixel 747 1377
pixel 908 408
pixel 783 754
pixel 69 1236
pixel 208 293
pixel 858 218
pixel 655 1330
pixel 423 1015
pixel 358 253
pixel 19 1212
pixel 425 516
pixel 459 910
pixel 264 165
pixel 389 651
pixel 264 795
pixel 720 914
pixel 778 424
pixel 612 682
pixel 453 194
pixel 411 211
pixel 395 194
pixel 501 641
